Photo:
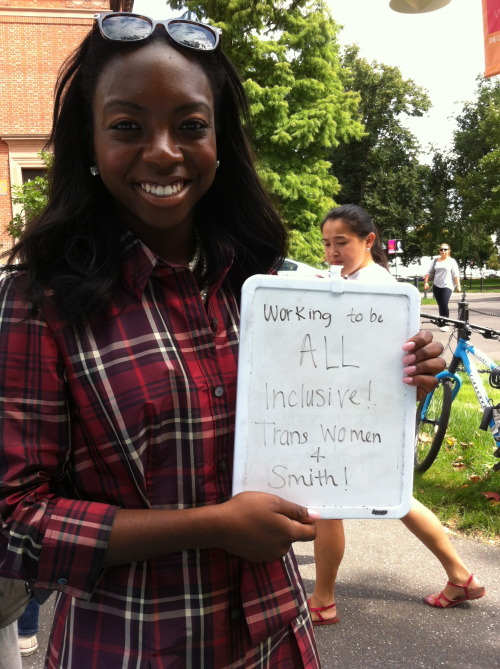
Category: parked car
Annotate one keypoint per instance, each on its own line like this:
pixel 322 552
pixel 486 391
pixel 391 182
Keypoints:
pixel 297 269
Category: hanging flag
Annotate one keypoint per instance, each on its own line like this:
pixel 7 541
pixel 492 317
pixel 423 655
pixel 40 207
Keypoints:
pixel 491 26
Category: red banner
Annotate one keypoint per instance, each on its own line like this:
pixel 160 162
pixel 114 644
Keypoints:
pixel 491 25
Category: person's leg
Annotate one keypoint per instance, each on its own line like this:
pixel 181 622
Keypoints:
pixel 10 657
pixel 27 624
pixel 27 628
pixel 442 297
pixel 425 525
pixel 445 298
pixel 329 547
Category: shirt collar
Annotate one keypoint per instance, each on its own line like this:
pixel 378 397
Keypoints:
pixel 139 263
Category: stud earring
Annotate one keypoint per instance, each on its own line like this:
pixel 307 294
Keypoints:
pixel 94 170
pixel 368 248
pixel 217 164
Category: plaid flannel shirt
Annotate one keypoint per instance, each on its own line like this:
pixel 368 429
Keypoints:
pixel 136 412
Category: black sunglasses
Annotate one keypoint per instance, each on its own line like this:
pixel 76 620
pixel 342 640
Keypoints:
pixel 128 27
pixel 444 249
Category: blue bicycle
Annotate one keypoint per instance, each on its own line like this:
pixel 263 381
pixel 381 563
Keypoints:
pixel 433 412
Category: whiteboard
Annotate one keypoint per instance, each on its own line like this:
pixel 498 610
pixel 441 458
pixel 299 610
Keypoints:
pixel 323 418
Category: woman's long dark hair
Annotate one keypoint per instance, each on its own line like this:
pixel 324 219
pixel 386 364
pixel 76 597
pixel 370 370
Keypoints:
pixel 72 246
pixel 361 224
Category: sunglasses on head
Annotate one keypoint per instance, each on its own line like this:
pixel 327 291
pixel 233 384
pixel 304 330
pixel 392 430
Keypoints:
pixel 128 27
pixel 444 249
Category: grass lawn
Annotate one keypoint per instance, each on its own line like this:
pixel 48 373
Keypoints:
pixel 455 485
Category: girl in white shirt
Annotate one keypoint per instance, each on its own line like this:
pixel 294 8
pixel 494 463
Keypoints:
pixel 351 241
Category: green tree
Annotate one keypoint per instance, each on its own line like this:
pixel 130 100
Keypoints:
pixel 32 198
pixel 436 226
pixel 287 54
pixel 381 170
pixel 476 196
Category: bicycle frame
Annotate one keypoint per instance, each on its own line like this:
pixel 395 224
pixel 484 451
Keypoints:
pixel 433 412
pixel 462 355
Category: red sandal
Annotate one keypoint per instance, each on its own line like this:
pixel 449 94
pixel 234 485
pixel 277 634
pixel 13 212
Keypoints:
pixel 317 610
pixel 472 593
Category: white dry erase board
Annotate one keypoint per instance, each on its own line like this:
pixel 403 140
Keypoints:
pixel 323 417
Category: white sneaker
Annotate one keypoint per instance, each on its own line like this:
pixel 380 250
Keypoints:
pixel 445 328
pixel 28 645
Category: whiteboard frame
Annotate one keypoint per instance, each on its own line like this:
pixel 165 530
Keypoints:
pixel 257 286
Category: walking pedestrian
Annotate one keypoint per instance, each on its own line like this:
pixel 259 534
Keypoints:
pixel 351 240
pixel 445 277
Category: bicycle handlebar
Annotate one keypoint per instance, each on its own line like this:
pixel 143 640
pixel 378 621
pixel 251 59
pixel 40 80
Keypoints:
pixel 487 333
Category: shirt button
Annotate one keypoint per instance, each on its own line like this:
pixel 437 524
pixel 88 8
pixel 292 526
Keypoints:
pixel 215 323
pixel 223 465
pixel 62 581
pixel 219 391
pixel 235 614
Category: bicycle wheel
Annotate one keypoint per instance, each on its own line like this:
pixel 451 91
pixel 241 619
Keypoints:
pixel 431 428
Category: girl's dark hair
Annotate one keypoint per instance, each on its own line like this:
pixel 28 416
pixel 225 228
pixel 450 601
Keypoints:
pixel 71 247
pixel 361 224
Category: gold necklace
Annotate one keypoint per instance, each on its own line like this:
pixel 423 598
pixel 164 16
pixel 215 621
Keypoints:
pixel 198 255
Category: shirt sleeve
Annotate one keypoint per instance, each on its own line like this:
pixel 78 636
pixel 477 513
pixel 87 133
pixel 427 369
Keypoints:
pixel 55 541
pixel 454 269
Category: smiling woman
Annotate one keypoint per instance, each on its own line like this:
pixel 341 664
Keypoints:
pixel 119 345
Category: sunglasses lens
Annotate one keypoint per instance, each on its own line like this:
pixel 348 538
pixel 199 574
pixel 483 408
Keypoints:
pixel 192 35
pixel 125 28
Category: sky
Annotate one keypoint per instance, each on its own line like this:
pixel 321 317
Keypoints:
pixel 442 51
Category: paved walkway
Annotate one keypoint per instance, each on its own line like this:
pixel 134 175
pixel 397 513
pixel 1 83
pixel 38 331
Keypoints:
pixel 384 623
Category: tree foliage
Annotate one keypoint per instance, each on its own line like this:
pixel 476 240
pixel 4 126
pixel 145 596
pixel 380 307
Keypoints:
pixel 476 164
pixel 287 54
pixel 436 225
pixel 31 197
pixel 381 171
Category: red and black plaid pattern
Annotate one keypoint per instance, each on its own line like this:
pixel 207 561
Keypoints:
pixel 136 411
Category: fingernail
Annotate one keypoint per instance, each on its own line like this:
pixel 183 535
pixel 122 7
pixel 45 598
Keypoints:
pixel 409 346
pixel 408 359
pixel 312 513
pixel 409 370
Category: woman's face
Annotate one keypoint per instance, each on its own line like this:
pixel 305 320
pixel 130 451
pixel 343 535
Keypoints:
pixel 154 141
pixel 444 250
pixel 344 247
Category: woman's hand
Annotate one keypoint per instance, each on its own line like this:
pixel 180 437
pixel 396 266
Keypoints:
pixel 422 362
pixel 261 527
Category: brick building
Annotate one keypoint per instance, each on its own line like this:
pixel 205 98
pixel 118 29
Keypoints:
pixel 36 36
